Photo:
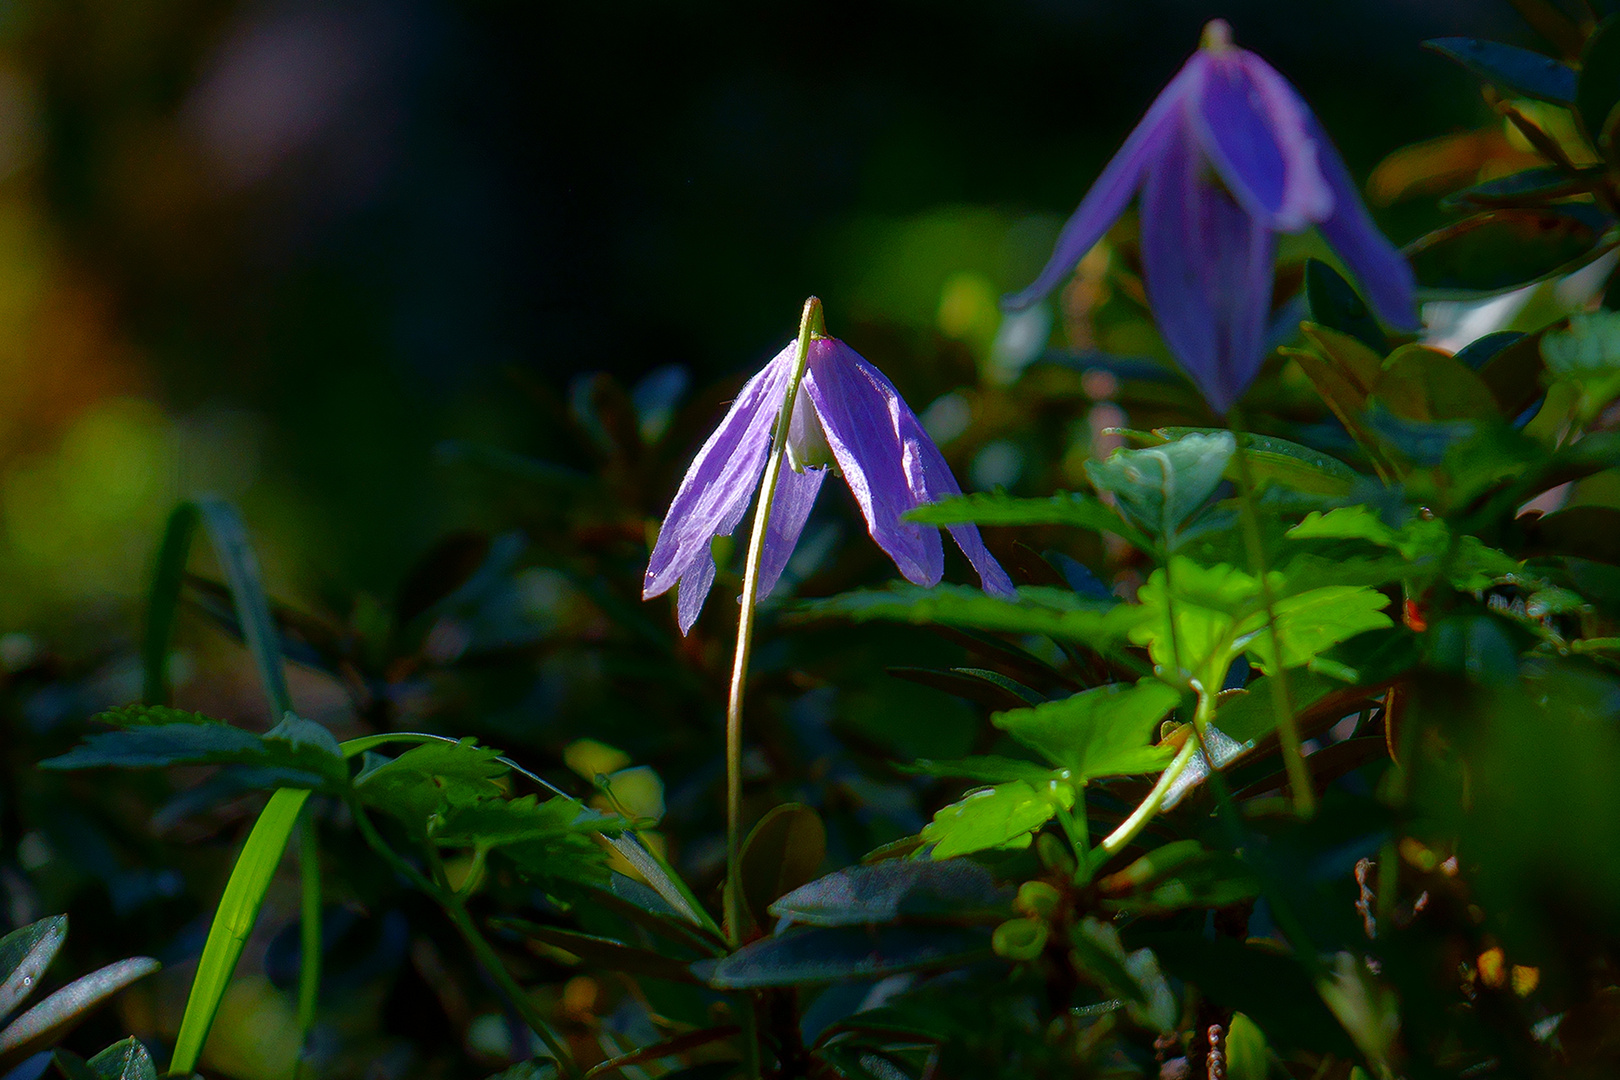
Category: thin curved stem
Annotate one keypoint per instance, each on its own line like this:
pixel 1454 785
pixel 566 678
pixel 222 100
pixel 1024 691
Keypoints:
pixel 1293 753
pixel 810 325
pixel 1132 826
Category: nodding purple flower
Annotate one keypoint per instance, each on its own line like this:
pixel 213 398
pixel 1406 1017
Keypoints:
pixel 1227 157
pixel 847 418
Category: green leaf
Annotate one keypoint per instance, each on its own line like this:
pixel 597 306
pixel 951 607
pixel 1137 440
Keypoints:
pixel 1105 731
pixel 1064 508
pixel 671 1047
pixel 1160 487
pixel 1420 383
pixel 1058 613
pixel 50 1020
pixel 233 922
pixel 1345 523
pixel 127 1060
pixel 1288 464
pixel 782 853
pixel 1334 303
pixel 1532 187
pixel 150 716
pixel 1598 90
pixel 25 953
pixel 1518 71
pixel 1003 816
pixel 1132 977
pixel 1190 624
pixel 300 764
pixel 1310 623
pixel 1179 875
pixel 1587 354
pixel 1498 250
pixel 815 955
pixel 892 891
pixel 416 785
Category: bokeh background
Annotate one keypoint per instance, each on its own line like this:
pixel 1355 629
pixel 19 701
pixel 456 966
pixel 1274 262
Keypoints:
pixel 302 254
pixel 442 296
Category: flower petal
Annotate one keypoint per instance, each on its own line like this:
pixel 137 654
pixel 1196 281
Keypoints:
pixel 860 413
pixel 719 485
pixel 1116 185
pixel 1258 135
pixel 938 482
pixel 696 581
pixel 1207 265
pixel 795 495
pixel 1383 272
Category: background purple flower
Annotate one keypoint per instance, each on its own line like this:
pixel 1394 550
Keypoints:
pixel 847 417
pixel 1227 157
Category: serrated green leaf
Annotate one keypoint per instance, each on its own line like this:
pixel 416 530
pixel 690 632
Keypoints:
pixel 305 764
pixel 417 785
pixel 150 716
pixel 127 1060
pixel 1312 622
pixel 1004 816
pixel 1105 731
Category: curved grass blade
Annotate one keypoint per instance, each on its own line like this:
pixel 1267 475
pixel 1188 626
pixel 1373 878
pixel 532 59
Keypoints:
pixel 233 922
pixel 163 602
pixel 241 569
pixel 679 1044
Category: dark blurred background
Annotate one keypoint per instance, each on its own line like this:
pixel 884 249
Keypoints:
pixel 285 250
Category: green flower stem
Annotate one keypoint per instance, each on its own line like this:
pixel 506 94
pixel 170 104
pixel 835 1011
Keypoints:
pixel 810 325
pixel 1132 826
pixel 1293 754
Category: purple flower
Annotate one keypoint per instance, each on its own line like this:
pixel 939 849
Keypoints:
pixel 1227 157
pixel 846 417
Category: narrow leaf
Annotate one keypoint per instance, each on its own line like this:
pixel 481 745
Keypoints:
pixel 233 922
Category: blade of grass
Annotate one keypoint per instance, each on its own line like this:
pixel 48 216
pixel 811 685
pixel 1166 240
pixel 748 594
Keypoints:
pixel 233 922
pixel 163 602
pixel 241 569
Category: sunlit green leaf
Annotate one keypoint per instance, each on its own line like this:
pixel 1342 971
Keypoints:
pixel 1003 816
pixel 1105 731
pixel 1160 487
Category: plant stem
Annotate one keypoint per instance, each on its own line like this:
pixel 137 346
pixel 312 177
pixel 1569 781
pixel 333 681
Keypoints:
pixel 1128 829
pixel 810 325
pixel 1299 777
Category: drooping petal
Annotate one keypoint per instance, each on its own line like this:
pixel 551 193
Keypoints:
pixel 1384 274
pixel 717 489
pixel 1257 133
pixel 1116 185
pixel 860 412
pixel 795 495
pixel 1207 265
pixel 938 483
pixel 694 588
